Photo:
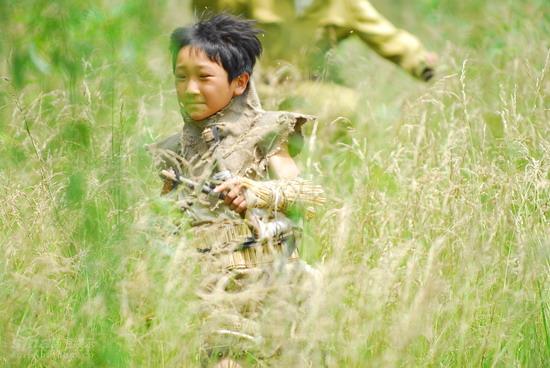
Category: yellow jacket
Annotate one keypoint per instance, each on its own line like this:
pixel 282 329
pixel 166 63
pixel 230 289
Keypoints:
pixel 333 20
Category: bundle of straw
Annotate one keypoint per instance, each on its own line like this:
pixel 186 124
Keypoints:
pixel 279 195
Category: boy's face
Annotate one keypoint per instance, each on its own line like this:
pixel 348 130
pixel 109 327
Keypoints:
pixel 202 85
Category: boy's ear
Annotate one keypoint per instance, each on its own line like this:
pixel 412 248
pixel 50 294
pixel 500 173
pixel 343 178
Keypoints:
pixel 241 82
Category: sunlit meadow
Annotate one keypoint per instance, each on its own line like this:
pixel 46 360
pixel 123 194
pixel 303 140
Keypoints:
pixel 434 248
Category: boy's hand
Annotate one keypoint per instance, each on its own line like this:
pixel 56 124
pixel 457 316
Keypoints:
pixel 234 194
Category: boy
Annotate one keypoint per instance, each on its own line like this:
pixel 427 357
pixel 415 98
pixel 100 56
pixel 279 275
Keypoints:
pixel 217 169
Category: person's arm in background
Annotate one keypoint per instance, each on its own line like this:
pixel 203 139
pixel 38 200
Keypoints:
pixel 347 17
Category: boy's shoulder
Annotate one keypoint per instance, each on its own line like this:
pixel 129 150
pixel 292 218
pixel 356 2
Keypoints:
pixel 276 127
pixel 283 127
pixel 165 152
pixel 271 129
pixel 172 143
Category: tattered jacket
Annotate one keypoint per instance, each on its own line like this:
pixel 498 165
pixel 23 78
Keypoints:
pixel 239 140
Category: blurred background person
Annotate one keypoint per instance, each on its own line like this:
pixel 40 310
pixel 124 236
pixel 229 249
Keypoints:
pixel 296 72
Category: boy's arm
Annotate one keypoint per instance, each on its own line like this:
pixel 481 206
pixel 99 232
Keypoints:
pixel 282 165
pixel 281 194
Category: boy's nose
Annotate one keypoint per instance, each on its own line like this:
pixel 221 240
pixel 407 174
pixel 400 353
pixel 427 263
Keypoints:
pixel 192 87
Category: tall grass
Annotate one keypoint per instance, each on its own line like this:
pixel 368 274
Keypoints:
pixel 433 252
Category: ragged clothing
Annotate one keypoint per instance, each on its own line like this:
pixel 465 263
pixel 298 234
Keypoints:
pixel 299 22
pixel 240 271
pixel 235 141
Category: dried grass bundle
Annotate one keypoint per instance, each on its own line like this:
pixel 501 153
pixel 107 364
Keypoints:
pixel 281 194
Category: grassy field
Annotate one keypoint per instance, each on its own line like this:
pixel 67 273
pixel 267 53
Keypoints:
pixel 435 250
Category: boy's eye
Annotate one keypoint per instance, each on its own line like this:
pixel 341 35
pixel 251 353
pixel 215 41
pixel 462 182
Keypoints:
pixel 204 76
pixel 181 77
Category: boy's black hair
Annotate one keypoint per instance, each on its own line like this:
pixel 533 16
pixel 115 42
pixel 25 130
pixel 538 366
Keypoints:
pixel 228 40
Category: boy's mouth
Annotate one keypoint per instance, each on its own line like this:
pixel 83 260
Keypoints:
pixel 191 103
pixel 194 107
